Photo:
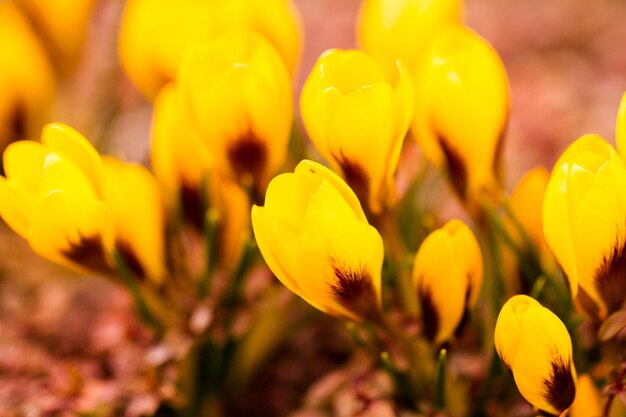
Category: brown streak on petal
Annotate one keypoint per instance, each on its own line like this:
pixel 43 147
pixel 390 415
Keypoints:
pixel 466 316
pixel 355 176
pixel 456 168
pixel 560 388
pixel 587 304
pixel 247 155
pixel 192 205
pixel 88 252
pixel 610 278
pixel 131 259
pixel 430 315
pixel 354 290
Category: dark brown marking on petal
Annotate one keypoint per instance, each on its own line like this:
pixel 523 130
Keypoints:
pixel 430 315
pixel 18 123
pixel 192 205
pixel 247 156
pixel 355 176
pixel 588 304
pixel 610 278
pixel 354 290
pixel 132 261
pixel 560 388
pixel 456 168
pixel 90 253
pixel 466 315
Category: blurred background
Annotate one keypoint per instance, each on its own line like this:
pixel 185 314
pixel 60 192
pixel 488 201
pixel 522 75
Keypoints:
pixel 74 343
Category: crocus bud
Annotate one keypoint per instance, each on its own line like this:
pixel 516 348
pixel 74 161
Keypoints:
pixel 536 347
pixel 27 80
pixel 462 105
pixel 357 118
pixel 156 35
pixel 239 96
pixel 584 214
pixel 315 238
pixel 389 30
pixel 447 274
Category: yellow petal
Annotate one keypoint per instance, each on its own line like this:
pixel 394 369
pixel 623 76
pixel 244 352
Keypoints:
pixel 132 195
pixel 588 402
pixel 536 346
pixel 401 29
pixel 70 144
pixel 16 206
pixel 23 164
pixel 72 231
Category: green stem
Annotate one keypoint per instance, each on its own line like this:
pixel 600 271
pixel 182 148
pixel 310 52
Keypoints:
pixel 210 232
pixel 440 380
pixel 140 303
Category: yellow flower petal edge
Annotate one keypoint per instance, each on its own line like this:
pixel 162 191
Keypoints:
pixel 357 117
pixel 620 128
pixel 314 237
pixel 448 275
pixel 536 347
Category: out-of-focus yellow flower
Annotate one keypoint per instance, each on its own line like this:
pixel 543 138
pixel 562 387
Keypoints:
pixel 448 274
pixel 357 118
pixel 52 197
pixel 588 402
pixel 239 94
pixel 64 24
pixel 155 35
pixel 401 29
pixel 620 127
pixel 27 81
pixel 75 210
pixel 535 346
pixel 182 162
pixel 583 223
pixel 315 238
pixel 132 195
pixel 462 105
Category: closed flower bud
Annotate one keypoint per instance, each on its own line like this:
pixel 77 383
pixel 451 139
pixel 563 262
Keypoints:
pixel 536 347
pixel 584 223
pixel 315 238
pixel 448 275
pixel 63 24
pixel 27 80
pixel 357 118
pixel 156 35
pixel 239 95
pixel 462 105
pixel 401 29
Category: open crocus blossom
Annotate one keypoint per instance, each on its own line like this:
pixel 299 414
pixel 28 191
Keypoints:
pixel 400 29
pixel 153 42
pixel 462 71
pixel 239 95
pixel 315 238
pixel 357 118
pixel 584 223
pixel 75 210
pixel 447 274
pixel 536 347
pixel 27 79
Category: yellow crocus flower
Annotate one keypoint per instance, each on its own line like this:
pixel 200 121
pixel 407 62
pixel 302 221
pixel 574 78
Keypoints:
pixel 462 105
pixel 27 80
pixel 239 95
pixel 448 275
pixel 75 210
pixel 401 29
pixel 63 24
pixel 51 196
pixel 357 118
pixel 536 347
pixel 584 223
pixel 155 35
pixel 315 238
